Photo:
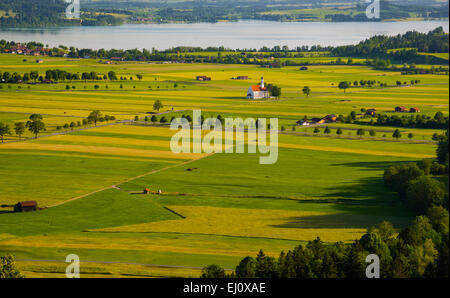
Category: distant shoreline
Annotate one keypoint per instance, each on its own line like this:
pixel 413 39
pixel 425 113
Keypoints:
pixel 230 21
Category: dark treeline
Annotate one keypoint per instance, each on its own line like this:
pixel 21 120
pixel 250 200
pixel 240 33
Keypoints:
pixel 435 41
pixel 43 13
pixel 46 13
pixel 54 75
pixel 420 250
pixel 439 121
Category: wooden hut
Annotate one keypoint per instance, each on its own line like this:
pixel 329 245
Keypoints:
pixel 26 206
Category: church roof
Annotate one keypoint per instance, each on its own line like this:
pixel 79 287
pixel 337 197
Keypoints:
pixel 258 88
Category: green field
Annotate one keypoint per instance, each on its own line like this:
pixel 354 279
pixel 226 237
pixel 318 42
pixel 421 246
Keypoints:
pixel 214 208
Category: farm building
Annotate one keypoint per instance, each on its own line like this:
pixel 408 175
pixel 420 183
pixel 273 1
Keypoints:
pixel 258 91
pixel 304 68
pixel 241 78
pixel 146 191
pixel 414 110
pixel 327 119
pixel 203 78
pixel 400 109
pixel 26 206
pixel 330 118
pixel 39 61
pixel 303 123
pixel 371 112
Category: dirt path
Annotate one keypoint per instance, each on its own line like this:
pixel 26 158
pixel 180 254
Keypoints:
pixel 116 186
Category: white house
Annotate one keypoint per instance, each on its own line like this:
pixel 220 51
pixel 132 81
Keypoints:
pixel 258 91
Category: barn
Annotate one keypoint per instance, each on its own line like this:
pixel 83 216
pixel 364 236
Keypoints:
pixel 26 206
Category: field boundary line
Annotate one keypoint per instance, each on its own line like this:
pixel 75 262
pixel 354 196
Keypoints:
pixel 122 263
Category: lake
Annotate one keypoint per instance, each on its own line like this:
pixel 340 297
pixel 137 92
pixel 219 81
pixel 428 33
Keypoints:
pixel 242 34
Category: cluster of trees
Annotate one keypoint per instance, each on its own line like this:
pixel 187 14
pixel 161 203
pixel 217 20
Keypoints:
pixel 420 250
pixel 8 268
pixel 435 41
pixel 414 183
pixel 274 90
pixel 35 125
pixel 439 121
pixel 154 119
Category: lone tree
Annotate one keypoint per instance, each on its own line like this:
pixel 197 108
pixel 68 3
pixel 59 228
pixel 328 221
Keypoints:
pixel 139 76
pixel 339 131
pixel 95 116
pixel 35 124
pixel 19 128
pixel 344 86
pixel 327 130
pixel 158 105
pixel 112 76
pixel 360 132
pixel 306 90
pixel 372 133
pixel 397 134
pixel 4 130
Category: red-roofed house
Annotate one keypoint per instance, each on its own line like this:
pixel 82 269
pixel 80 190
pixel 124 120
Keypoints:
pixel 258 91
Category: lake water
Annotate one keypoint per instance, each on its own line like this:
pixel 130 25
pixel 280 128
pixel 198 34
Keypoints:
pixel 242 34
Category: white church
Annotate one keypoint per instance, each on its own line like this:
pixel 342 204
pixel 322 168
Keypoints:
pixel 258 91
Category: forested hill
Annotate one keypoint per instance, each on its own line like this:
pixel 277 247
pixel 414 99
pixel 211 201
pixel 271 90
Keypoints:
pixel 46 13
pixel 436 41
pixel 33 13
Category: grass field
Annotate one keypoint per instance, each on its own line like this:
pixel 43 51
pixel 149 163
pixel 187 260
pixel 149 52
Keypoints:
pixel 214 208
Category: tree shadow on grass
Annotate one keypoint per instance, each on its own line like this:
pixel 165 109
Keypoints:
pixel 339 221
pixel 371 190
pixel 373 165
pixel 369 195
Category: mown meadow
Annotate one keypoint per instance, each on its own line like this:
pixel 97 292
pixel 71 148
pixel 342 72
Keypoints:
pixel 215 208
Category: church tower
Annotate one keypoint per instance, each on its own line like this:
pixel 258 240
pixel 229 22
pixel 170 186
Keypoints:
pixel 262 82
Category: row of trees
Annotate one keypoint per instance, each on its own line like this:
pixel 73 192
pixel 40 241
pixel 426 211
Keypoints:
pixel 57 75
pixel 361 132
pixel 87 121
pixel 438 121
pixel 36 125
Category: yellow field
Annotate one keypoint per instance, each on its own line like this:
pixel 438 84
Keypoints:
pixel 279 224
